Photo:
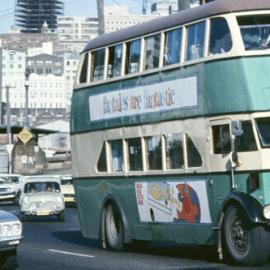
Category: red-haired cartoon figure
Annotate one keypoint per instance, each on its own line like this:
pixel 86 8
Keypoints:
pixel 190 204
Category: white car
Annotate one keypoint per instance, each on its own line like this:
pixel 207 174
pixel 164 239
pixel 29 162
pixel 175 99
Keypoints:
pixel 67 188
pixel 11 186
pixel 42 196
pixel 10 238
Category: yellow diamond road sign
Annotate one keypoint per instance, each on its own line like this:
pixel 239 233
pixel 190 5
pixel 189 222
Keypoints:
pixel 25 136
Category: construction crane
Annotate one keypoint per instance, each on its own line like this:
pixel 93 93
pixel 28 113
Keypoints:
pixel 144 8
pixel 100 12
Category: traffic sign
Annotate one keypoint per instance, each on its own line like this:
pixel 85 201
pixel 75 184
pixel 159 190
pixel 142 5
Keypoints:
pixel 25 136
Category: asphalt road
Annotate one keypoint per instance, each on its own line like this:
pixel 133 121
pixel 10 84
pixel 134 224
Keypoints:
pixel 52 245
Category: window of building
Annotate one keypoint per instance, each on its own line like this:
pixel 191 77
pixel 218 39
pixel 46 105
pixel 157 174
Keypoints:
pixel 152 50
pixel 153 151
pixel 174 151
pixel 117 161
pixel 220 36
pixel 172 48
pixel 97 65
pixel 115 60
pixel 221 139
pixel 195 41
pixel 193 156
pixel 133 56
pixel 134 154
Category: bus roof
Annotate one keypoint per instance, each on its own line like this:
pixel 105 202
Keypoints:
pixel 211 9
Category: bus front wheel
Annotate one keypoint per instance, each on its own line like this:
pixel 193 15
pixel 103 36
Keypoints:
pixel 245 243
pixel 114 230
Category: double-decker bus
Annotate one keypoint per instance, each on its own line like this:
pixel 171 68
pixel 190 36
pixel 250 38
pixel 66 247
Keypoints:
pixel 170 131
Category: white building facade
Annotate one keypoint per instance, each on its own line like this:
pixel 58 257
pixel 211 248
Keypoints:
pixel 118 17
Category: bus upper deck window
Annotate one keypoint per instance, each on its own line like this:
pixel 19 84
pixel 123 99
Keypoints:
pixel 151 54
pixel 255 31
pixel 195 41
pixel 97 65
pixel 172 48
pixel 83 73
pixel 220 36
pixel 133 56
pixel 115 60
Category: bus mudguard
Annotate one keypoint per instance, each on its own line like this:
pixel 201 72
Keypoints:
pixel 252 208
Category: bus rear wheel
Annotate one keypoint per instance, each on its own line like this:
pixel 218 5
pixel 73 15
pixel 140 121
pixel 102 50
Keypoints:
pixel 114 230
pixel 246 243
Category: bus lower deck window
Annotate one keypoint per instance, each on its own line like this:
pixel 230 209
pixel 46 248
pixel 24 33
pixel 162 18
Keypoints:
pixel 153 148
pixel 174 151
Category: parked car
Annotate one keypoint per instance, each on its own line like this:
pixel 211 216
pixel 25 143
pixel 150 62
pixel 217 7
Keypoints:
pixel 10 238
pixel 42 196
pixel 67 189
pixel 11 186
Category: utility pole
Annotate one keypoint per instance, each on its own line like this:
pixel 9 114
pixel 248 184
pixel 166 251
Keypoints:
pixel 183 4
pixel 26 85
pixel 100 11
pixel 8 114
pixel 10 141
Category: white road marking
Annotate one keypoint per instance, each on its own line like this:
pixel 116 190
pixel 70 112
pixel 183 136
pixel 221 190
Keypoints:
pixel 71 253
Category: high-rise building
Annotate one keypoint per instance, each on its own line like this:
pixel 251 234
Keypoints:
pixel 31 15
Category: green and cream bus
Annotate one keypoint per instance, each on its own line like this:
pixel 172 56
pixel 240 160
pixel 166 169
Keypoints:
pixel 170 131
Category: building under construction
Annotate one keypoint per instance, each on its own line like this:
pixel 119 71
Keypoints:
pixel 32 15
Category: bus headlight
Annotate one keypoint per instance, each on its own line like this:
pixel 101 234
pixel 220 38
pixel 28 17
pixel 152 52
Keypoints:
pixel 266 211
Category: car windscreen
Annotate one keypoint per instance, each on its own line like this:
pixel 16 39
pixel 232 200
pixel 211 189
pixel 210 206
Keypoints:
pixel 42 187
pixel 9 179
pixel 66 182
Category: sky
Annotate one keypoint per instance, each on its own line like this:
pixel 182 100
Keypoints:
pixel 72 8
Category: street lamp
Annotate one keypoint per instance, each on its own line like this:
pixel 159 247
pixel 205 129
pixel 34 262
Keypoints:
pixel 8 114
pixel 26 85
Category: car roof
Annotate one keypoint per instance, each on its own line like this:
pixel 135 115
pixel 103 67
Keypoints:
pixel 11 175
pixel 41 178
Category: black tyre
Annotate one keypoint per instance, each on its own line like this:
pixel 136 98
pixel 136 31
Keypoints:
pixel 8 260
pixel 114 230
pixel 246 243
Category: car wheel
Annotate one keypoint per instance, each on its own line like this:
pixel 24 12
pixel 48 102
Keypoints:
pixel 8 260
pixel 61 217
pixel 114 230
pixel 246 243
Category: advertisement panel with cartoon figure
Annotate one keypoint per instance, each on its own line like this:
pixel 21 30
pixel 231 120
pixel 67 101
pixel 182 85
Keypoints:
pixel 173 202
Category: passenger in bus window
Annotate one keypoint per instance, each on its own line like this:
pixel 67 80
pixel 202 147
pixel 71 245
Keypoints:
pixel 167 57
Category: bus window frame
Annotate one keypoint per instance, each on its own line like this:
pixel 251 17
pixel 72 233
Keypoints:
pixel 236 39
pixel 90 64
pixel 82 59
pixel 239 43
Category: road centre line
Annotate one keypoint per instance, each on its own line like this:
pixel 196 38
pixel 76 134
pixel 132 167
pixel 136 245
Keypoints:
pixel 70 253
